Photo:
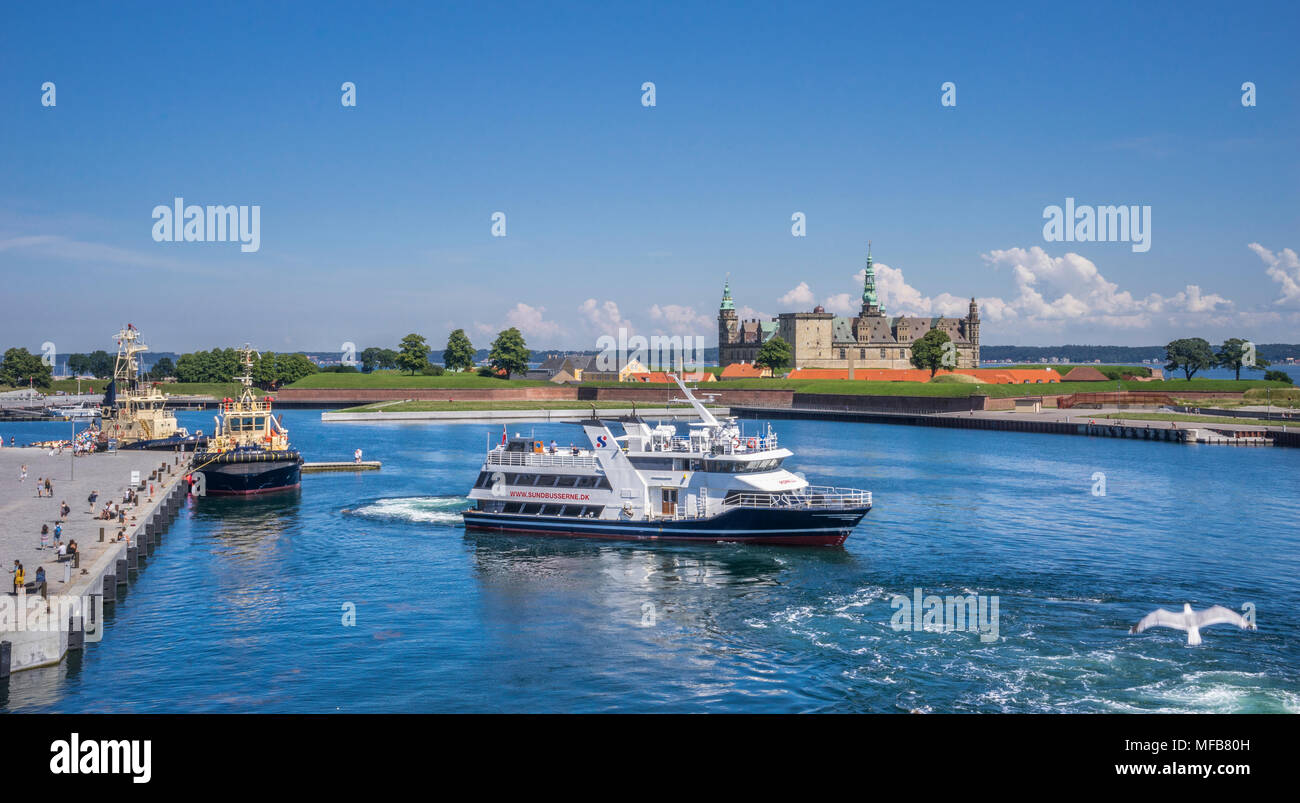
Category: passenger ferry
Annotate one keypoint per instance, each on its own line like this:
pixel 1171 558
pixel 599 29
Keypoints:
pixel 715 484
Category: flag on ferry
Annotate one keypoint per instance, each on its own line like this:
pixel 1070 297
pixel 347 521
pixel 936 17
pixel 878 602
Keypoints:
pixel 503 434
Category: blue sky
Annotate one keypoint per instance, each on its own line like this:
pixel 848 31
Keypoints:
pixel 376 220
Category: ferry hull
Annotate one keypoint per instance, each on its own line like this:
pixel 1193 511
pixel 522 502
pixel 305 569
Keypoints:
pixel 738 525
pixel 243 474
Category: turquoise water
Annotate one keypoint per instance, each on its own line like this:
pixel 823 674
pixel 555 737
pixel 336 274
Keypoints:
pixel 242 608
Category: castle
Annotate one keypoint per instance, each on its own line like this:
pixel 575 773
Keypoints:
pixel 819 339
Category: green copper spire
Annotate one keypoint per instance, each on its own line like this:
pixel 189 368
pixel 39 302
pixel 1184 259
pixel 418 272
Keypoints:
pixel 869 298
pixel 726 296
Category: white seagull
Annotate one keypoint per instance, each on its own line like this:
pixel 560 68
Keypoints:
pixel 1192 621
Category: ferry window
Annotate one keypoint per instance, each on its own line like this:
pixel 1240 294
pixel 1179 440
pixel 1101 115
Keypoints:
pixel 603 482
pixel 547 480
pixel 531 509
pixel 550 510
pixel 571 510
pixel 585 482
pixel 652 463
pixel 512 507
pixel 524 479
pixel 567 482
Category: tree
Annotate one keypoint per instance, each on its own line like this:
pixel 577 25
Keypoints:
pixel 1189 354
pixel 1278 376
pixel 370 359
pixel 459 353
pixel 78 364
pixel 21 367
pixel 100 364
pixel 934 351
pixel 775 354
pixel 509 353
pixel 162 369
pixel 414 354
pixel 1235 353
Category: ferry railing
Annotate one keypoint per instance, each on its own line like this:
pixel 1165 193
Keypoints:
pixel 738 445
pixel 812 497
pixel 499 458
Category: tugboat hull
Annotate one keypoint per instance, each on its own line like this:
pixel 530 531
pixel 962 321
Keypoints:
pixel 739 525
pixel 245 473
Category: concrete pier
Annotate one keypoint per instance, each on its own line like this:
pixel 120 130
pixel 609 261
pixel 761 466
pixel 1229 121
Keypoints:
pixel 103 562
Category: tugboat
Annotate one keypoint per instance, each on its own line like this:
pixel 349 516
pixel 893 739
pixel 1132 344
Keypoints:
pixel 134 414
pixel 715 485
pixel 249 453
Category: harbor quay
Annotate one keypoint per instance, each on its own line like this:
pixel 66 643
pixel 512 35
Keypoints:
pixel 107 551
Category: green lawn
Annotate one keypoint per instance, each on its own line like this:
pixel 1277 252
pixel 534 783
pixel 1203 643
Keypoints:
pixel 396 379
pixel 442 406
pixel 216 389
pixel 861 387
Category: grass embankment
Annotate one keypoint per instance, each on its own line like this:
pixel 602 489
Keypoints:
pixel 442 406
pixel 217 389
pixel 396 379
pixel 1190 419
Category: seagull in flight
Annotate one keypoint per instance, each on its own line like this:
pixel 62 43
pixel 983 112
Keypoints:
pixel 1192 621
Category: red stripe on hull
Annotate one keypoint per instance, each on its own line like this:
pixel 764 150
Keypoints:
pixel 813 540
pixel 256 491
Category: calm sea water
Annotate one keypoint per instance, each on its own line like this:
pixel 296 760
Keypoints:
pixel 242 609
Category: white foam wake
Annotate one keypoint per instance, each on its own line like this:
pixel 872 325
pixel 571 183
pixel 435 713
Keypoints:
pixel 423 509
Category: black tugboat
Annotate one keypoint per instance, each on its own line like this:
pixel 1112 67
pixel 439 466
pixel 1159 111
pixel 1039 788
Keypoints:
pixel 249 453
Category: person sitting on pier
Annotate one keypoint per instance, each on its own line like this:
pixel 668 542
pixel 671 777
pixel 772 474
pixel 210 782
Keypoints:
pixel 72 547
pixel 63 550
pixel 121 516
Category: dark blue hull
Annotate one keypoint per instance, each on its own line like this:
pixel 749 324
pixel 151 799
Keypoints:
pixel 744 525
pixel 190 443
pixel 242 473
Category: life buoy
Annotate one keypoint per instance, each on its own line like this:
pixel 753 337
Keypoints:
pixel 735 443
pixel 752 444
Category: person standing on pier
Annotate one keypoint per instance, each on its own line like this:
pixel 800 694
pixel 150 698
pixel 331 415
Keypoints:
pixel 17 572
pixel 64 510
pixel 356 456
pixel 93 496
pixel 22 473
pixel 49 488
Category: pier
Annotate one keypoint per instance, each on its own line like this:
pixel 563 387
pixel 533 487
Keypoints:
pixel 342 465
pixel 109 553
pixel 510 416
pixel 1050 422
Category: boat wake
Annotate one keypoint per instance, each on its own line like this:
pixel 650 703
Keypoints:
pixel 424 509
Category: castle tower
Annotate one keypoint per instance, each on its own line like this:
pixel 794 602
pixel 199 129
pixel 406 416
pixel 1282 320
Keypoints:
pixel 870 301
pixel 973 332
pixel 728 326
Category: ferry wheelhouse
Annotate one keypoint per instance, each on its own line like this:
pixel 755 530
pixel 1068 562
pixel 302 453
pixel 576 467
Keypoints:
pixel 249 453
pixel 713 484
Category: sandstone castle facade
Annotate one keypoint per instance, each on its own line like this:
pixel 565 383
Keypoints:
pixel 819 339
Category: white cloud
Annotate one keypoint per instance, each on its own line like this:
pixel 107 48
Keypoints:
pixel 800 296
pixel 604 318
pixel 748 313
pixel 532 323
pixel 842 303
pixel 1283 268
pixel 1071 288
pixel 679 319
pixel 900 298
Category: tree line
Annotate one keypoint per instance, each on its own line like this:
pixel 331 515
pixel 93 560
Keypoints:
pixel 508 355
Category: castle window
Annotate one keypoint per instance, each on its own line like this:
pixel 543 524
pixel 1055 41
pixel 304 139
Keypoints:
pixel 882 354
pixel 862 354
pixel 842 355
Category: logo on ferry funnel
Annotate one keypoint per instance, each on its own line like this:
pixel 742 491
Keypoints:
pixel 601 442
